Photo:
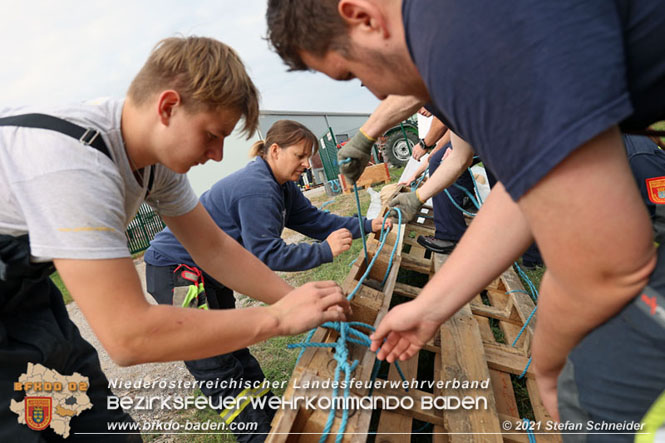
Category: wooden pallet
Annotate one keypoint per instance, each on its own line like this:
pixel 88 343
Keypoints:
pixel 466 348
pixel 370 176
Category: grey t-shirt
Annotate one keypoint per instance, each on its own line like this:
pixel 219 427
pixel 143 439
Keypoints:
pixel 73 200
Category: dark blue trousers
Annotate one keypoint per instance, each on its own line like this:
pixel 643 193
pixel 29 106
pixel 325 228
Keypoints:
pixel 448 220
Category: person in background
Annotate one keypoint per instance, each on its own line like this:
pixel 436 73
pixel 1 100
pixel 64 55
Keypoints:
pixel 253 206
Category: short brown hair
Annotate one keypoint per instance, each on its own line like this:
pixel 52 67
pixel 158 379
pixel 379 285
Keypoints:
pixel 284 133
pixel 313 26
pixel 205 72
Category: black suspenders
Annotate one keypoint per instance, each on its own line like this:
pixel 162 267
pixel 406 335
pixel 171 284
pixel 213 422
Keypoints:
pixel 87 136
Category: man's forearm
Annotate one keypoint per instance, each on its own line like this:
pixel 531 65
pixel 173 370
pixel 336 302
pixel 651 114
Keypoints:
pixel 498 235
pixel 448 171
pixel 436 130
pixel 391 111
pixel 190 334
pixel 599 251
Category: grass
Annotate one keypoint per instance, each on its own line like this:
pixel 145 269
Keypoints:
pixel 55 277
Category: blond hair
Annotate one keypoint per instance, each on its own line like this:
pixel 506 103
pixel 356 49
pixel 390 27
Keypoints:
pixel 284 133
pixel 206 73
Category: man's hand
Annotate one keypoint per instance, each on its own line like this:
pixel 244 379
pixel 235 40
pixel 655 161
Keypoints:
pixel 408 203
pixel 418 151
pixel 354 156
pixel 377 224
pixel 309 306
pixel 339 241
pixel 406 329
pixel 409 180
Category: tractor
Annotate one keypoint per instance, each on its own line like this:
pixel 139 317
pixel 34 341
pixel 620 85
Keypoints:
pixel 397 143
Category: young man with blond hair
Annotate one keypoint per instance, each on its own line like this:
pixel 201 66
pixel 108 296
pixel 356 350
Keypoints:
pixel 542 91
pixel 71 179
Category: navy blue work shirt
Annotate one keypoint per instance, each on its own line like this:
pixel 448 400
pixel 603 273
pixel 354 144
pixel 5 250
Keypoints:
pixel 527 82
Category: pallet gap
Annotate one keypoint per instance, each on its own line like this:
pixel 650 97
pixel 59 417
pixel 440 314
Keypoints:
pixel 412 278
pixel 522 397
pixel 421 431
pixel 373 426
pixel 428 254
pixel 426 369
pixel 499 336
pixel 485 298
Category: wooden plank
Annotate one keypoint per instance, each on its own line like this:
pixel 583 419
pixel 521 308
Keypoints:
pixel 406 290
pixel 398 425
pixel 504 393
pixel 462 358
pixel 439 433
pixel 371 175
pixel 506 358
pixel 540 413
pixel 415 264
pixel 485 330
pixel 492 312
pixel 513 436
pixel 498 299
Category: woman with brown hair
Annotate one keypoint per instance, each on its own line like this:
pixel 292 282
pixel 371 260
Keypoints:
pixel 253 206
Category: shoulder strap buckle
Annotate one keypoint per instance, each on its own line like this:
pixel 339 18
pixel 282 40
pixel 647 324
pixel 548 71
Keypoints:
pixel 89 136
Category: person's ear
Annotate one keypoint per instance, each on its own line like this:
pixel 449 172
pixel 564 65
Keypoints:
pixel 274 150
pixel 167 103
pixel 363 15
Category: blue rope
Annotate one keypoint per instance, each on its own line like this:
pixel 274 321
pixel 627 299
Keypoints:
pixel 452 200
pixel 335 187
pixel 423 428
pixel 475 187
pixel 525 277
pixel 469 194
pixel 415 184
pixel 306 340
pixel 529 432
pixel 384 236
pixel 346 329
pixel 525 325
pixel 360 223
pixel 326 204
pixel 526 368
pixel 341 356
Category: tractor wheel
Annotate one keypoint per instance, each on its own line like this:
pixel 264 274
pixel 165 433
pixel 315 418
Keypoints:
pixel 396 151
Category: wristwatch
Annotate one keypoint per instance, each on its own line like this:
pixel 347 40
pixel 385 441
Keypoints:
pixel 424 145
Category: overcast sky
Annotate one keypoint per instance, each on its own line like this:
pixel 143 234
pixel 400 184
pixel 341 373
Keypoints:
pixel 68 51
pixel 75 50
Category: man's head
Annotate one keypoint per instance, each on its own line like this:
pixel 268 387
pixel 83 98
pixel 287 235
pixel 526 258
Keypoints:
pixel 207 74
pixel 198 89
pixel 346 39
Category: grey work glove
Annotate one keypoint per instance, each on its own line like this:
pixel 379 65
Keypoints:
pixel 358 150
pixel 408 203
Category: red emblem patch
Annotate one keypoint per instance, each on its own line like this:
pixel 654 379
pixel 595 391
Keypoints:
pixel 38 412
pixel 656 190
